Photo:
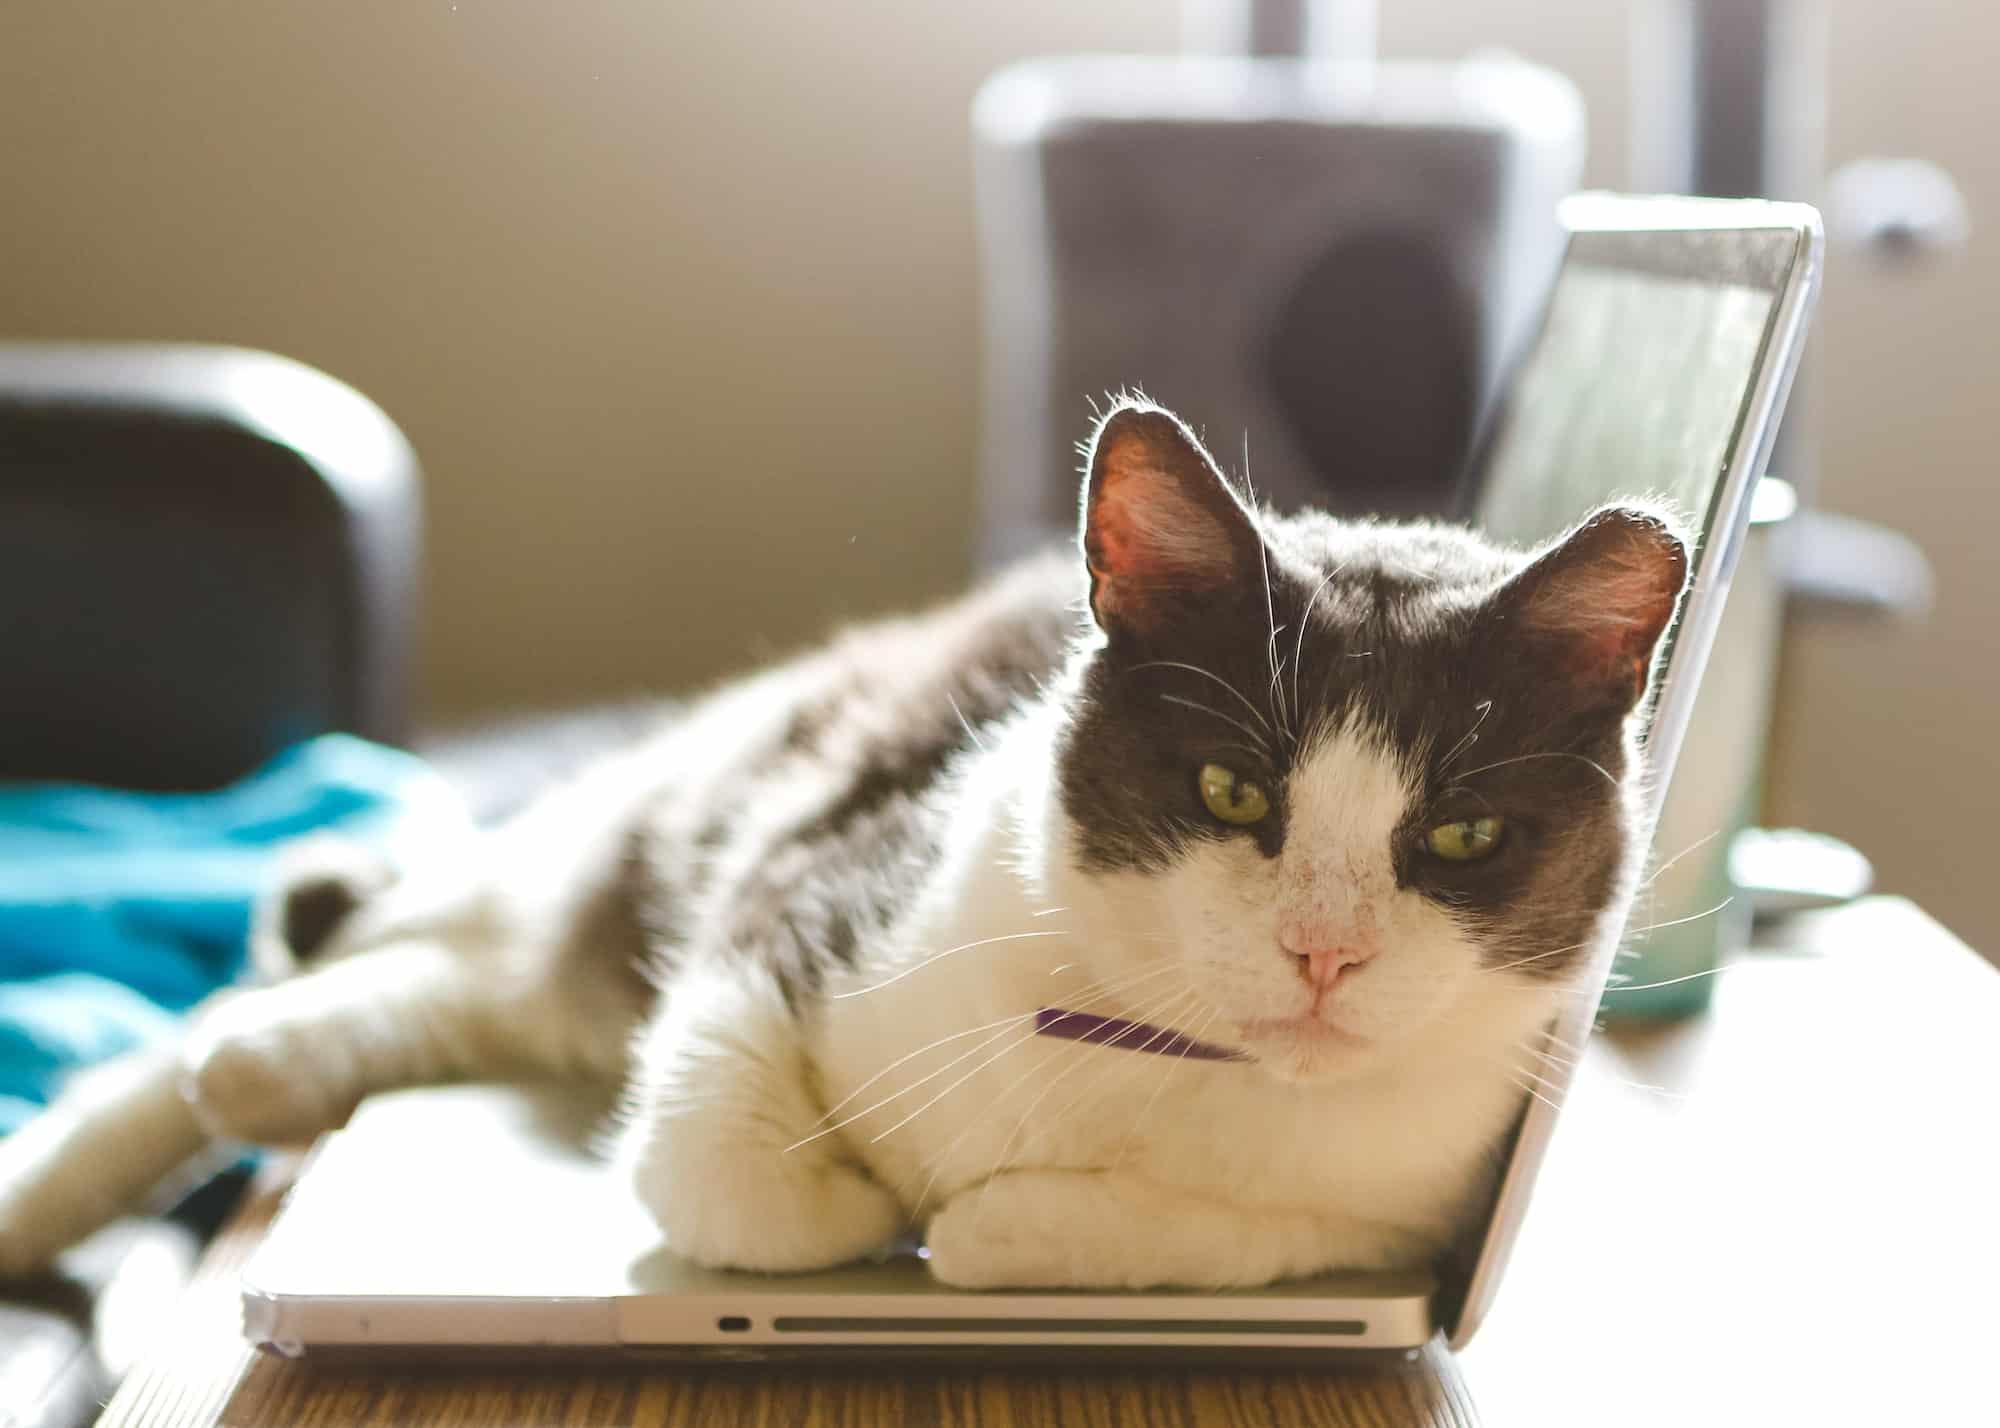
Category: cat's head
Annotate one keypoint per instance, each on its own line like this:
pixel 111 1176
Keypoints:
pixel 1352 781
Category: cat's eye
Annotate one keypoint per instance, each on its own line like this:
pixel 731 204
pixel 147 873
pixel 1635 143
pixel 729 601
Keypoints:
pixel 1232 799
pixel 1466 841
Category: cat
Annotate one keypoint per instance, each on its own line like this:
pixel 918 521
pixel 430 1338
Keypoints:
pixel 1299 829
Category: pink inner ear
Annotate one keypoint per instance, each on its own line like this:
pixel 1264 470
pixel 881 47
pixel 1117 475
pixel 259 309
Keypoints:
pixel 1147 531
pixel 1611 612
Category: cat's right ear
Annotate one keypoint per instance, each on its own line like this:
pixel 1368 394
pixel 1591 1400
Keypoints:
pixel 1162 531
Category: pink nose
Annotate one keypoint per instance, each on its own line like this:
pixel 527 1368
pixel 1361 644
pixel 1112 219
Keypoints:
pixel 1321 960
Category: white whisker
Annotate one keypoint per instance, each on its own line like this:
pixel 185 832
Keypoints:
pixel 1670 981
pixel 1109 988
pixel 1299 649
pixel 1524 758
pixel 1660 871
pixel 943 1157
pixel 1023 1040
pixel 1192 704
pixel 1007 1146
pixel 948 952
pixel 1162 1030
pixel 1173 1063
pixel 1255 713
pixel 1485 707
pixel 1521 1085
pixel 965 723
pixel 1630 932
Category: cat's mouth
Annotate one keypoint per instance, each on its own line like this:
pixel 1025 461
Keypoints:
pixel 1302 1031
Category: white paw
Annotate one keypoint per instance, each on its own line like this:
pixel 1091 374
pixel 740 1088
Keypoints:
pixel 982 1239
pixel 267 1086
pixel 774 1222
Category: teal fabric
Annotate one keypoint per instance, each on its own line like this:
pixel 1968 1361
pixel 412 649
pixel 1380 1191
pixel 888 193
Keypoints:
pixel 120 910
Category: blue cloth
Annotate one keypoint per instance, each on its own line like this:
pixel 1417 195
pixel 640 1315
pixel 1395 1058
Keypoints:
pixel 120 910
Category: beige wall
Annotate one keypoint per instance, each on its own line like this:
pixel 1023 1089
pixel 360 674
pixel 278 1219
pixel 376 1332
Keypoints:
pixel 676 300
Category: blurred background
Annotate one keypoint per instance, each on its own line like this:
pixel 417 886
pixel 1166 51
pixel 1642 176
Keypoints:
pixel 678 304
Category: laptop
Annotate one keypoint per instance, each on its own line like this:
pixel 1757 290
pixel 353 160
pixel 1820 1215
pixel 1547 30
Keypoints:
pixel 477 1218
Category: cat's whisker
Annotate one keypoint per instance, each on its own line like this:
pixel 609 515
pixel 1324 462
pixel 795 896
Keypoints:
pixel 1286 722
pixel 1661 871
pixel 1255 737
pixel 1679 921
pixel 1163 1030
pixel 1523 1086
pixel 1536 1077
pixel 944 1156
pixel 836 1108
pixel 1172 1065
pixel 1548 1055
pixel 1305 623
pixel 1633 932
pixel 1524 758
pixel 948 952
pixel 1625 1081
pixel 1113 1074
pixel 1098 992
pixel 1261 755
pixel 1048 911
pixel 965 723
pixel 1206 674
pixel 1469 738
pixel 1524 961
pixel 1275 694
pixel 867 1111
pixel 1670 981
pixel 1007 1146
pixel 1023 1040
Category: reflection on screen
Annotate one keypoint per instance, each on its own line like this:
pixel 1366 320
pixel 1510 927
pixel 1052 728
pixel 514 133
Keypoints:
pixel 1635 388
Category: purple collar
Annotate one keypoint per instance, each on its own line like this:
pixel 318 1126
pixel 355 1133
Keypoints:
pixel 1131 1035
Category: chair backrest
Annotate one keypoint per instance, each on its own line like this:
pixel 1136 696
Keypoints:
pixel 206 554
pixel 1338 262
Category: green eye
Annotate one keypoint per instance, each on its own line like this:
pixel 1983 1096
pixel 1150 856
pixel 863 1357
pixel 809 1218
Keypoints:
pixel 1467 841
pixel 1232 799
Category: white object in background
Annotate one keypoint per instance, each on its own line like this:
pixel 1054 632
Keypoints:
pixel 1784 870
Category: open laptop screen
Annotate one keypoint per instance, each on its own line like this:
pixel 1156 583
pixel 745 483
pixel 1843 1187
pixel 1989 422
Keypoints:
pixel 1660 371
pixel 1639 381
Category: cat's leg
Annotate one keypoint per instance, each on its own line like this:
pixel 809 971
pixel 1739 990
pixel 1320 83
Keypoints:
pixel 113 1135
pixel 1104 1229
pixel 281 1064
pixel 277 1065
pixel 720 1103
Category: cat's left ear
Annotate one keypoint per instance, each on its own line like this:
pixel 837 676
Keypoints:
pixel 1162 531
pixel 1597 602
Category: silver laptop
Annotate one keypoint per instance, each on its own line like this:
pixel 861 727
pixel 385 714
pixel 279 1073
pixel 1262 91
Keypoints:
pixel 476 1218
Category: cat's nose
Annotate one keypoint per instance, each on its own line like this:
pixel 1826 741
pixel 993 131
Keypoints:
pixel 1321 959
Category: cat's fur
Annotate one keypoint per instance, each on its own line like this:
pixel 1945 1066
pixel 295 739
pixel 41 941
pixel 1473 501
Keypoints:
pixel 807 925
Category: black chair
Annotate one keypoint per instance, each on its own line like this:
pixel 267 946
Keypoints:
pixel 205 554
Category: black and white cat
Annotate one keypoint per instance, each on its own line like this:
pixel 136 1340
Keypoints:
pixel 1322 815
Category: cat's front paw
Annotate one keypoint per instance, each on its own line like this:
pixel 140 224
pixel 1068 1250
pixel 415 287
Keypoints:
pixel 995 1236
pixel 729 1202
pixel 268 1085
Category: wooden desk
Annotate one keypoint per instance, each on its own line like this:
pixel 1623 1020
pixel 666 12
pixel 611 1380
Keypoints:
pixel 1788 1212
